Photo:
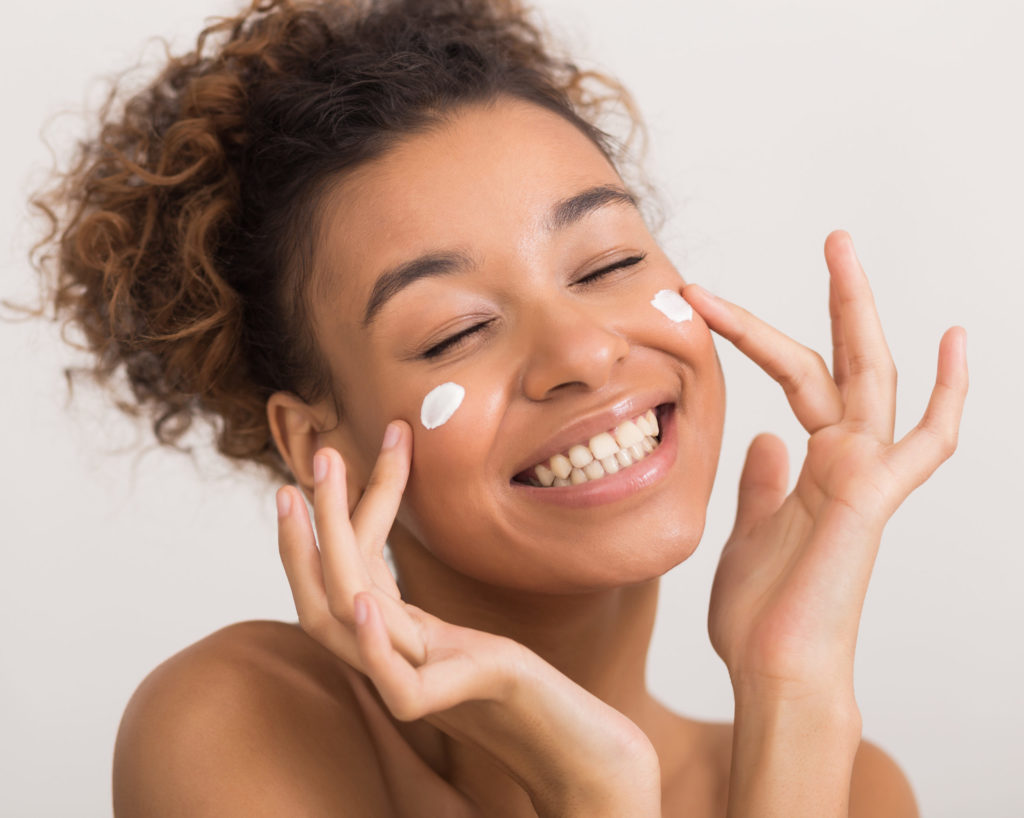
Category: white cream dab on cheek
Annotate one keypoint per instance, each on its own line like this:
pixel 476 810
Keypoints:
pixel 673 305
pixel 440 404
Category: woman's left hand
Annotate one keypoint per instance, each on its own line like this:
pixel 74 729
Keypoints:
pixel 787 596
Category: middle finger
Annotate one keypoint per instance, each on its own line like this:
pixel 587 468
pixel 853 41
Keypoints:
pixel 344 570
pixel 871 373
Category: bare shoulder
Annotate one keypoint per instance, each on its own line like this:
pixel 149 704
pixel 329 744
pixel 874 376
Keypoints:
pixel 255 719
pixel 879 788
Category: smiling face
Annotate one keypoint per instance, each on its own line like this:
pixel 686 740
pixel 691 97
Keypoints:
pixel 501 252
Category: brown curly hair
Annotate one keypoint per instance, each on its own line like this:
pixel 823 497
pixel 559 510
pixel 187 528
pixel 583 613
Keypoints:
pixel 181 240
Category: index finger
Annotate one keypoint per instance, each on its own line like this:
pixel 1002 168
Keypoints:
pixel 799 370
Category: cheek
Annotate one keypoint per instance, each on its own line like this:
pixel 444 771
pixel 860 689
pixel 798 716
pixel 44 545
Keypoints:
pixel 450 461
pixel 660 318
pixel 440 404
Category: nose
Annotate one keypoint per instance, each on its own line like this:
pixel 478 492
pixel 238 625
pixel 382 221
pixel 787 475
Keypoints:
pixel 570 348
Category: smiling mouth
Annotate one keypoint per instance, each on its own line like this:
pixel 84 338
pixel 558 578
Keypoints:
pixel 604 454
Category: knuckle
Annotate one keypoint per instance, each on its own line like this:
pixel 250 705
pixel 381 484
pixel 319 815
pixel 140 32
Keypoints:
pixel 945 441
pixel 341 610
pixel 405 707
pixel 815 362
pixel 792 380
pixel 314 623
pixel 882 368
pixel 383 474
pixel 949 442
pixel 859 363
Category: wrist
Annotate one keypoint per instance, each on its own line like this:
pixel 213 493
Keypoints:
pixel 595 763
pixel 827 718
pixel 793 755
pixel 830 688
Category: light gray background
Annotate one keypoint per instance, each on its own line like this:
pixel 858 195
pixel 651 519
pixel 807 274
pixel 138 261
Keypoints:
pixel 772 122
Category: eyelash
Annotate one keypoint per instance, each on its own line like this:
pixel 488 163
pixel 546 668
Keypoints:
pixel 611 268
pixel 448 344
pixel 456 340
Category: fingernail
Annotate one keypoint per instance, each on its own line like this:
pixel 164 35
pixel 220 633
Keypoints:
pixel 284 503
pixel 391 435
pixel 360 611
pixel 319 468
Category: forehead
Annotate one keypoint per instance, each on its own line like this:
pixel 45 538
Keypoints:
pixel 481 183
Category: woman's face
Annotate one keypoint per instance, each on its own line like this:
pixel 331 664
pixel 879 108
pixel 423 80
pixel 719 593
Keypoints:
pixel 533 292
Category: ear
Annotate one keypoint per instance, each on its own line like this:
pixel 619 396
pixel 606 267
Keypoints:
pixel 301 429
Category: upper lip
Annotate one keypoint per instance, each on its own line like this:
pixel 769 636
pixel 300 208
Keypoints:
pixel 580 431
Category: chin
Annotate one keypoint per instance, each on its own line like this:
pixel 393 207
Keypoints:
pixel 644 555
pixel 617 555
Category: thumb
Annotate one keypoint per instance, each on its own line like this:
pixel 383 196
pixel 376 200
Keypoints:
pixel 763 481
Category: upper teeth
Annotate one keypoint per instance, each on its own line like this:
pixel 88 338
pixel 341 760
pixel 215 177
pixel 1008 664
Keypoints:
pixel 604 453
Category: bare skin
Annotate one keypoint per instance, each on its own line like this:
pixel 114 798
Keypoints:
pixel 504 670
pixel 183 742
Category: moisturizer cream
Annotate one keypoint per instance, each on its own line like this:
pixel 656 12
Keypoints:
pixel 673 305
pixel 440 404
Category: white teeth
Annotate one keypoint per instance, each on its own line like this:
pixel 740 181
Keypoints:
pixel 603 445
pixel 605 453
pixel 561 466
pixel 653 420
pixel 627 434
pixel 644 425
pixel 579 456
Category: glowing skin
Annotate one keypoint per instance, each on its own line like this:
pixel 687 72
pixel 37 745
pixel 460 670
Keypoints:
pixel 440 404
pixel 547 325
pixel 673 305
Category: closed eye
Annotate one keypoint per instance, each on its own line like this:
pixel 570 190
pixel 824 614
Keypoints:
pixel 611 268
pixel 455 341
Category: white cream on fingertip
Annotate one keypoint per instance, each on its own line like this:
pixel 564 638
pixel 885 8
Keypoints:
pixel 440 404
pixel 672 305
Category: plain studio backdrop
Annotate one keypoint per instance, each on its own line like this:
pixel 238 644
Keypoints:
pixel 772 123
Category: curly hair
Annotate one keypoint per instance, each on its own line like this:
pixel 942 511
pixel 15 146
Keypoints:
pixel 181 239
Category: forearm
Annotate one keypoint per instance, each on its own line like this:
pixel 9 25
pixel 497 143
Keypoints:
pixel 793 756
pixel 569 769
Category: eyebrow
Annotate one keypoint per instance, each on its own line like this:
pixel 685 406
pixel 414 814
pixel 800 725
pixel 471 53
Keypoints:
pixel 564 214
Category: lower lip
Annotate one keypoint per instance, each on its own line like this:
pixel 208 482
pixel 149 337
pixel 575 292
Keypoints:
pixel 622 484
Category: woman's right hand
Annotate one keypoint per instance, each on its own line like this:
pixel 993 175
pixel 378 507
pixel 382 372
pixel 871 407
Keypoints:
pixel 571 752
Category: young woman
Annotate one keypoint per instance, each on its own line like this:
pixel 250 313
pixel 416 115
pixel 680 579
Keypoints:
pixel 386 248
